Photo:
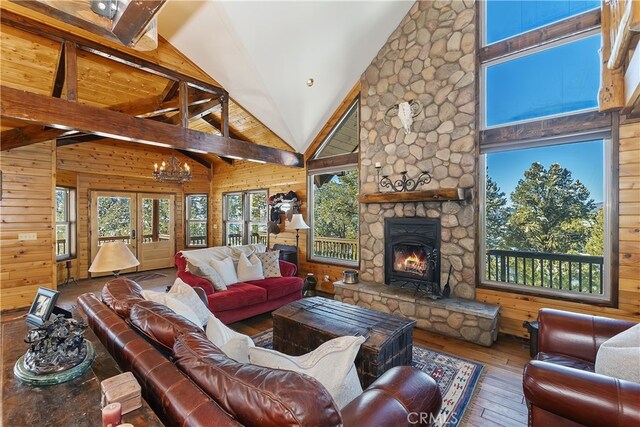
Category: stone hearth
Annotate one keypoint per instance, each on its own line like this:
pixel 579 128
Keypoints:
pixel 469 320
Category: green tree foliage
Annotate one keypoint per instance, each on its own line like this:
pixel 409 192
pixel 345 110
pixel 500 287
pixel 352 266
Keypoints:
pixel 336 205
pixel 497 214
pixel 595 244
pixel 551 211
pixel 114 216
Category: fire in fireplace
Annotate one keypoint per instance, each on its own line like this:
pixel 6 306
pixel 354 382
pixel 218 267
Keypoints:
pixel 412 254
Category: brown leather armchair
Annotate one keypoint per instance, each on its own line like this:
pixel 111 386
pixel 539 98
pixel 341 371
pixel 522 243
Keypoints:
pixel 560 385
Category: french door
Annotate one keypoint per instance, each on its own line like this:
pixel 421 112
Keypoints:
pixel 145 222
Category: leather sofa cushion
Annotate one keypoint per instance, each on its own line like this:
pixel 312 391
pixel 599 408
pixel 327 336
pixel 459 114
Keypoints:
pixel 568 361
pixel 278 287
pixel 121 294
pixel 239 295
pixel 160 324
pixel 253 395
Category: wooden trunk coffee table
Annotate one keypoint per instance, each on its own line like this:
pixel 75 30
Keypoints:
pixel 301 326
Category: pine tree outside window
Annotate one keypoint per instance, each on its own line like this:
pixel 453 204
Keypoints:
pixel 545 204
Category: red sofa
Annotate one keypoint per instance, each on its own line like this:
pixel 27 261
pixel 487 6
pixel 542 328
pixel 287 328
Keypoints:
pixel 244 300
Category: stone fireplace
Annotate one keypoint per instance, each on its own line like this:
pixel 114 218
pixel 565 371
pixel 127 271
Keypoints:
pixel 430 57
pixel 412 254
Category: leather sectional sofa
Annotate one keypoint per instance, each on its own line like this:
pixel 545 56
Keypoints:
pixel 560 385
pixel 243 300
pixel 190 382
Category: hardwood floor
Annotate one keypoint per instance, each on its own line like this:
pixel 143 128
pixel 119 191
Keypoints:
pixel 498 399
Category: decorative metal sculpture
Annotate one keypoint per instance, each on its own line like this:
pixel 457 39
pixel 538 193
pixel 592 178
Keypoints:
pixel 404 183
pixel 56 346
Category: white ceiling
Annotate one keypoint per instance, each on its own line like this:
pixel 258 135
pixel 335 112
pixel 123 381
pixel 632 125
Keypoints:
pixel 263 52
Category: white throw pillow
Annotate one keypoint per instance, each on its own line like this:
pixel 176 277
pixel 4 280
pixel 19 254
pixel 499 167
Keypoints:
pixel 331 364
pixel 226 270
pixel 207 272
pixel 185 294
pixel 232 343
pixel 249 268
pixel 270 263
pixel 619 356
pixel 172 303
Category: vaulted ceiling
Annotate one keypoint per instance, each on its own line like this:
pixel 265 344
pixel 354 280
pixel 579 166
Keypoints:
pixel 263 52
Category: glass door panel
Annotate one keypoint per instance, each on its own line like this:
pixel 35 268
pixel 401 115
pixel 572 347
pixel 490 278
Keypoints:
pixel 258 217
pixel 112 220
pixel 156 244
pixel 234 219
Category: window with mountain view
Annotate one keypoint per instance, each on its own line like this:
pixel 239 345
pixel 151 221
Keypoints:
pixel 545 207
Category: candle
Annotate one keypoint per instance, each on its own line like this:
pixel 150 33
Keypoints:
pixel 378 165
pixel 155 167
pixel 111 415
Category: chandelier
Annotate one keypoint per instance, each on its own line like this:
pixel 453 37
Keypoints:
pixel 172 172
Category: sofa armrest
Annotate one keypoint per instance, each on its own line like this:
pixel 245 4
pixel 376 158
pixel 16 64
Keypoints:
pixel 288 269
pixel 576 335
pixel 402 396
pixel 196 282
pixel 581 396
pixel 202 294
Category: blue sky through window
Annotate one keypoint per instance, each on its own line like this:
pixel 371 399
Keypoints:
pixel 558 80
pixel 506 18
pixel 585 160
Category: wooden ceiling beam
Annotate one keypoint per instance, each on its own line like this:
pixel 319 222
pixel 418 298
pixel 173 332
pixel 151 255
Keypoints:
pixel 135 18
pixel 215 122
pixel 148 107
pixel 47 111
pixel 196 158
pixel 71 70
pixel 58 79
pixel 32 26
pixel 170 91
pixel 183 111
pixel 196 112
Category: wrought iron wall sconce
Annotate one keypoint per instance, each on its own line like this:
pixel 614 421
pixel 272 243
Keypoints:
pixel 403 183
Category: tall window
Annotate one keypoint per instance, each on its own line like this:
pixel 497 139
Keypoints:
pixel 546 154
pixel 65 223
pixel 196 220
pixel 333 195
pixel 245 217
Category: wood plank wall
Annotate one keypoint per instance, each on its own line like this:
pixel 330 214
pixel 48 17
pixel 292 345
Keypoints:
pixel 515 309
pixel 27 206
pixel 119 166
pixel 242 176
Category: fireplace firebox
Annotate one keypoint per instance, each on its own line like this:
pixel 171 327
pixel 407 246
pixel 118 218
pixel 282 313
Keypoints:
pixel 412 254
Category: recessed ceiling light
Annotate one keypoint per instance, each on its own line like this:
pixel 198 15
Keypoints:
pixel 310 82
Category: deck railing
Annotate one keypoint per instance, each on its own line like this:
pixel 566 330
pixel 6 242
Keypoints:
pixel 197 240
pixel 342 249
pixel 235 239
pixel 577 273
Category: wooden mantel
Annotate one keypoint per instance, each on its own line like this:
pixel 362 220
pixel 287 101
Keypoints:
pixel 440 195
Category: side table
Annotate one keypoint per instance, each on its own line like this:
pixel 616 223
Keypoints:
pixel 74 403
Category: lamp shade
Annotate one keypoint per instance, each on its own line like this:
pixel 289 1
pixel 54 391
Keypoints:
pixel 113 256
pixel 297 222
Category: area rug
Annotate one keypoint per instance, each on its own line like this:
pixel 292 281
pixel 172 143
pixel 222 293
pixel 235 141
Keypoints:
pixel 456 377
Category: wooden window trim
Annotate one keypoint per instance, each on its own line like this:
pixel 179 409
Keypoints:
pixel 572 26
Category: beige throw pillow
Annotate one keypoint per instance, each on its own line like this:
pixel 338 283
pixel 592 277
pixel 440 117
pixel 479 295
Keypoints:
pixel 270 263
pixel 185 294
pixel 232 343
pixel 209 273
pixel 619 356
pixel 249 268
pixel 226 270
pixel 331 364
pixel 174 304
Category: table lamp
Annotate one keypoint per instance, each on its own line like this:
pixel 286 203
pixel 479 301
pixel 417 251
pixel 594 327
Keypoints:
pixel 298 223
pixel 113 256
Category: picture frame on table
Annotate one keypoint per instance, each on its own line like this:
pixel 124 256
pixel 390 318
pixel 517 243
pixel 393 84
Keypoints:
pixel 42 306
